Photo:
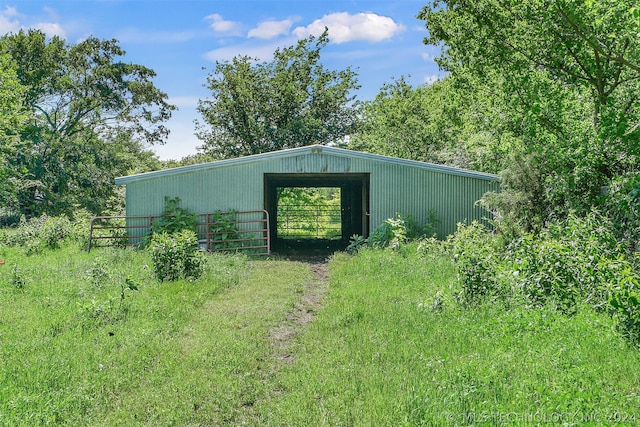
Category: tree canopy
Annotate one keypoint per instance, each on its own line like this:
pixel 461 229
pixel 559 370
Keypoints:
pixel 562 78
pixel 288 102
pixel 88 119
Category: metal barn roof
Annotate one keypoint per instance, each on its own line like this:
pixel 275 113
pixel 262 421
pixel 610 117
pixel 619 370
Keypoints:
pixel 312 149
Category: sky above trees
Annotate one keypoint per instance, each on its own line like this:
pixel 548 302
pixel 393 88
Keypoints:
pixel 182 40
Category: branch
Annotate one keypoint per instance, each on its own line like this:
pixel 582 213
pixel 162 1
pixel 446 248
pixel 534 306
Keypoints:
pixel 599 47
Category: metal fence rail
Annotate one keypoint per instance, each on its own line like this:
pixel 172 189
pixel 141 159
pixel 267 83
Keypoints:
pixel 216 231
pixel 309 221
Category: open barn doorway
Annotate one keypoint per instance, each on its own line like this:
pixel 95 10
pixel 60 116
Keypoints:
pixel 316 212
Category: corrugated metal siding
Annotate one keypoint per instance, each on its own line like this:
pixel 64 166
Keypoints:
pixel 395 187
pixel 412 191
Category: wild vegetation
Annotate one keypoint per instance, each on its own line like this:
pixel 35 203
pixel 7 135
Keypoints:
pixel 97 339
pixel 537 317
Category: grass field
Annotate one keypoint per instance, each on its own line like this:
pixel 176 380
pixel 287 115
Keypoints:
pixel 383 343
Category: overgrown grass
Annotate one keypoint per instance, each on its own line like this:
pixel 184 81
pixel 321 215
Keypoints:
pixel 73 351
pixel 391 346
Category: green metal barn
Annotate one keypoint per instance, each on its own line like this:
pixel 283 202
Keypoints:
pixel 372 187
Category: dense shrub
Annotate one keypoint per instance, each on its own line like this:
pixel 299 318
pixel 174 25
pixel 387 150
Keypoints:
pixel 394 232
pixel 40 233
pixel 624 303
pixel 477 256
pixel 224 229
pixel 570 261
pixel 176 256
pixel 622 206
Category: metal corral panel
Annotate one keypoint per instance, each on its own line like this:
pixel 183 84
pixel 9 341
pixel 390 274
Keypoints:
pixel 396 185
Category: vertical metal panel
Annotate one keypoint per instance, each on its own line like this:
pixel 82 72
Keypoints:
pixel 394 187
pixel 416 191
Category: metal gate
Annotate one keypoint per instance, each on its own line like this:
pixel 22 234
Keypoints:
pixel 216 231
pixel 309 222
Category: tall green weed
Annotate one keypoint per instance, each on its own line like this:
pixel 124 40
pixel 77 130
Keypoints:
pixel 176 256
pixel 622 205
pixel 477 256
pixel 174 218
pixel 574 262
pixel 44 232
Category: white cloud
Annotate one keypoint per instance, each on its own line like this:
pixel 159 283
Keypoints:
pixel 10 23
pixel 221 25
pixel 271 29
pixel 50 28
pixel 344 27
pixel 263 52
pixel 7 24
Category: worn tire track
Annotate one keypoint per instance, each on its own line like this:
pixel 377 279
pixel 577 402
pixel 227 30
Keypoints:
pixel 283 335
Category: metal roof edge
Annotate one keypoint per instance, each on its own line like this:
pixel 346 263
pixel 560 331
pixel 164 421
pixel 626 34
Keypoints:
pixel 298 150
pixel 415 163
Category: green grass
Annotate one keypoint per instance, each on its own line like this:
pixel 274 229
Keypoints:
pixel 380 354
pixel 171 353
pixel 390 346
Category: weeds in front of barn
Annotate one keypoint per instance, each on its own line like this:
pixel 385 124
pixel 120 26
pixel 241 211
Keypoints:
pixel 390 346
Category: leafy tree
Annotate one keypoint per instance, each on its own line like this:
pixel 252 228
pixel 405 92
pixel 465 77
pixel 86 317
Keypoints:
pixel 12 117
pixel 419 124
pixel 564 79
pixel 289 102
pixel 89 113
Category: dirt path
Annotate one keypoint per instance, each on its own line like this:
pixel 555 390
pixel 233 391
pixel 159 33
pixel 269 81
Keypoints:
pixel 303 312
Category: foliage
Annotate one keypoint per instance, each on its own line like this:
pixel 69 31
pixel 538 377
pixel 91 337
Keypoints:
pixel 391 233
pixel 559 81
pixel 174 218
pixel 622 206
pixel 88 120
pixel 224 228
pixel 624 300
pixel 570 262
pixel 394 233
pixel 356 243
pixel 421 124
pixel 41 233
pixel 176 256
pixel 289 102
pixel 477 257
pixel 12 117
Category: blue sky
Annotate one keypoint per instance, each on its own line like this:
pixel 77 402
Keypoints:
pixel 380 39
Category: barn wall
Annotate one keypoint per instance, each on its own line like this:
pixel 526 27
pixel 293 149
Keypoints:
pixel 402 187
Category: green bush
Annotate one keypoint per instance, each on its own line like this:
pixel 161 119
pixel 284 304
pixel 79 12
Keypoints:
pixel 41 233
pixel 624 302
pixel 176 256
pixel 223 229
pixel 477 257
pixel 622 206
pixel 392 232
pixel 570 261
